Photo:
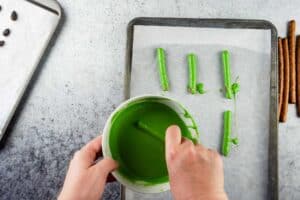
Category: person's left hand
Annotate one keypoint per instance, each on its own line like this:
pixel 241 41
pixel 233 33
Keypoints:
pixel 86 178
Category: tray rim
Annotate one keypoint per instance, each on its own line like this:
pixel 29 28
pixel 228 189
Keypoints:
pixel 273 188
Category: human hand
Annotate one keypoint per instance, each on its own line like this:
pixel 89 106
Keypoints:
pixel 195 172
pixel 86 178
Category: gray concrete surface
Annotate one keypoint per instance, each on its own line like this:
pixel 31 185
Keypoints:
pixel 80 82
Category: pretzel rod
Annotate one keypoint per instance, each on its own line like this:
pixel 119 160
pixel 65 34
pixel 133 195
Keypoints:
pixel 227 133
pixel 147 129
pixel 227 74
pixel 286 84
pixel 280 75
pixel 298 73
pixel 192 65
pixel 162 69
pixel 292 57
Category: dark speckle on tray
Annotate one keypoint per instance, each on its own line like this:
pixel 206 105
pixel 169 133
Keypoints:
pixel 14 16
pixel 6 32
pixel 2 43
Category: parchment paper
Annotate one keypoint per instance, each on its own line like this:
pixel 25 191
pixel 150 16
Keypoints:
pixel 246 169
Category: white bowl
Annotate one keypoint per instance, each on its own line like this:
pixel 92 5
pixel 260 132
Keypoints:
pixel 141 186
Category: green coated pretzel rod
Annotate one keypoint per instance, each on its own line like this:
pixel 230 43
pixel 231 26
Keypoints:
pixel 161 63
pixel 192 64
pixel 227 73
pixel 227 140
pixel 144 127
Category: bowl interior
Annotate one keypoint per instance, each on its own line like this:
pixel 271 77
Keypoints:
pixel 145 186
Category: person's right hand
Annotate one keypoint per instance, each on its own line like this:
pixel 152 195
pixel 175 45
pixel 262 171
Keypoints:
pixel 195 172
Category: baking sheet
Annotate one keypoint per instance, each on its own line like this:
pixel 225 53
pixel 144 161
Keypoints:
pixel 23 49
pixel 247 168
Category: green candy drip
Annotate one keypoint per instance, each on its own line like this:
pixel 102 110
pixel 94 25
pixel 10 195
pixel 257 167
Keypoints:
pixel 227 140
pixel 192 65
pixel 235 88
pixel 200 88
pixel 193 126
pixel 235 141
pixel 161 63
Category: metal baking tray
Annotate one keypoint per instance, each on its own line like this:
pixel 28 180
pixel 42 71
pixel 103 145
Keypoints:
pixel 23 50
pixel 251 171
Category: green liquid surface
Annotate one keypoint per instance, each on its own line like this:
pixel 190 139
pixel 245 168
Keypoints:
pixel 137 140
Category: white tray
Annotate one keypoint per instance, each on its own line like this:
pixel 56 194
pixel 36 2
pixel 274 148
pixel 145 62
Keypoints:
pixel 19 57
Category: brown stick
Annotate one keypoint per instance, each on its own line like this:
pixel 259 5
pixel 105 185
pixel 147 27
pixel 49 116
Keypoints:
pixel 292 57
pixel 280 75
pixel 286 78
pixel 298 74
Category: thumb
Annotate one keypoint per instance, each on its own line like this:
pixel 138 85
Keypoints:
pixel 105 166
pixel 173 138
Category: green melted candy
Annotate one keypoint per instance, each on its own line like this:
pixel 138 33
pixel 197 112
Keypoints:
pixel 137 140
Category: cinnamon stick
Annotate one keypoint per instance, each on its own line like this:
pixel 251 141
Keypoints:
pixel 280 75
pixel 298 73
pixel 292 58
pixel 286 81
